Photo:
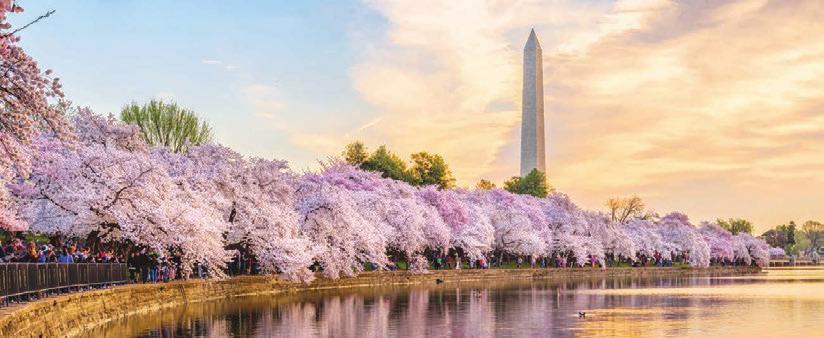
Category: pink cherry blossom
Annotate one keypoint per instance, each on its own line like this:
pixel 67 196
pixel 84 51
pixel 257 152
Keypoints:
pixel 29 103
pixel 108 186
pixel 682 238
pixel 719 241
pixel 757 250
pixel 777 253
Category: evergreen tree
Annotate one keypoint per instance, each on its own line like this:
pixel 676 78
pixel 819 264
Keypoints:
pixel 791 233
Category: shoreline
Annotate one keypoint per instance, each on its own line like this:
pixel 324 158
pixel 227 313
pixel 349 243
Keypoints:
pixel 75 313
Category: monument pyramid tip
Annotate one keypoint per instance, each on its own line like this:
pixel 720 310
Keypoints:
pixel 533 39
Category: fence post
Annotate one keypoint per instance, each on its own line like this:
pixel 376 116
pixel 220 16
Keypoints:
pixel 4 285
pixel 22 279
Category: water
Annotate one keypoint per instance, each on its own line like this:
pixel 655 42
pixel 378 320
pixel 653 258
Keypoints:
pixel 777 303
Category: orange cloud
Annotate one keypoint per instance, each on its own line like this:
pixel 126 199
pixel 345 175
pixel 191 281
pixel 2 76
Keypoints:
pixel 702 109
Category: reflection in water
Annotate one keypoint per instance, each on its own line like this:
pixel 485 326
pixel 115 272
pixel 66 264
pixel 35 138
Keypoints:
pixel 780 302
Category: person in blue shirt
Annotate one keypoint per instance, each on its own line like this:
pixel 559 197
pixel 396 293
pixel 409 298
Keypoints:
pixel 65 257
pixel 44 255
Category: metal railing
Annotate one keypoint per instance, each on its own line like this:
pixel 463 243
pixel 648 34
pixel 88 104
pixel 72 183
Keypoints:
pixel 18 279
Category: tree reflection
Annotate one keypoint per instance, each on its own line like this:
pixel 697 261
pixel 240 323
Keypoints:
pixel 618 305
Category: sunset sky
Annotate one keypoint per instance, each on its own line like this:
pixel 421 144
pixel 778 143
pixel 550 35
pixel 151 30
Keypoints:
pixel 713 108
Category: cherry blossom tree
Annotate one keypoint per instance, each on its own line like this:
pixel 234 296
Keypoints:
pixel 255 197
pixel 757 249
pixel 107 187
pixel 719 241
pixel 681 237
pixel 645 238
pixel 409 224
pixel 571 233
pixel 740 251
pixel 517 224
pixel 471 229
pixel 777 252
pixel 345 238
pixel 30 101
pixel 613 239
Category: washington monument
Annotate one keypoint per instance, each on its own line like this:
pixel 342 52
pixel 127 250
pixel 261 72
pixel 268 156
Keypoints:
pixel 532 119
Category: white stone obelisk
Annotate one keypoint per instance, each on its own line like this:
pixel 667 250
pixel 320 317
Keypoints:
pixel 532 119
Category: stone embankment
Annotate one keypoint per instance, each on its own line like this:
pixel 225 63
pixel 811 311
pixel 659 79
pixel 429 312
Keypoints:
pixel 73 314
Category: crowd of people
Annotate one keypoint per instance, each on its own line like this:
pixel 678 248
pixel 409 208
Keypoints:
pixel 15 251
pixel 150 267
pixel 144 266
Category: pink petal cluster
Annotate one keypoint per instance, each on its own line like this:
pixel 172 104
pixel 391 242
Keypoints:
pixel 30 100
pixel 777 253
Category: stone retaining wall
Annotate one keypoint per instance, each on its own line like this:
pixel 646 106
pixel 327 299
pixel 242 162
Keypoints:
pixel 73 314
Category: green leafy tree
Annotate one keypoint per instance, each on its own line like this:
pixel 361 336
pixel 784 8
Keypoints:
pixel 485 185
pixel 431 169
pixel 533 184
pixel 735 225
pixel 388 164
pixel 776 237
pixel 787 236
pixel 814 231
pixel 167 125
pixel 513 184
pixel 801 241
pixel 355 153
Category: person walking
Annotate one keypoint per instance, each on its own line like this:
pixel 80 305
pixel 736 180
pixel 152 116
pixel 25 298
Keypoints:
pixel 130 262
pixel 153 268
pixel 142 265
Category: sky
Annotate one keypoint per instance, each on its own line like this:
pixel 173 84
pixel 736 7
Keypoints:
pixel 712 108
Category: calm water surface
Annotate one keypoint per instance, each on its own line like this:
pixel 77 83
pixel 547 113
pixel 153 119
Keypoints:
pixel 777 303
